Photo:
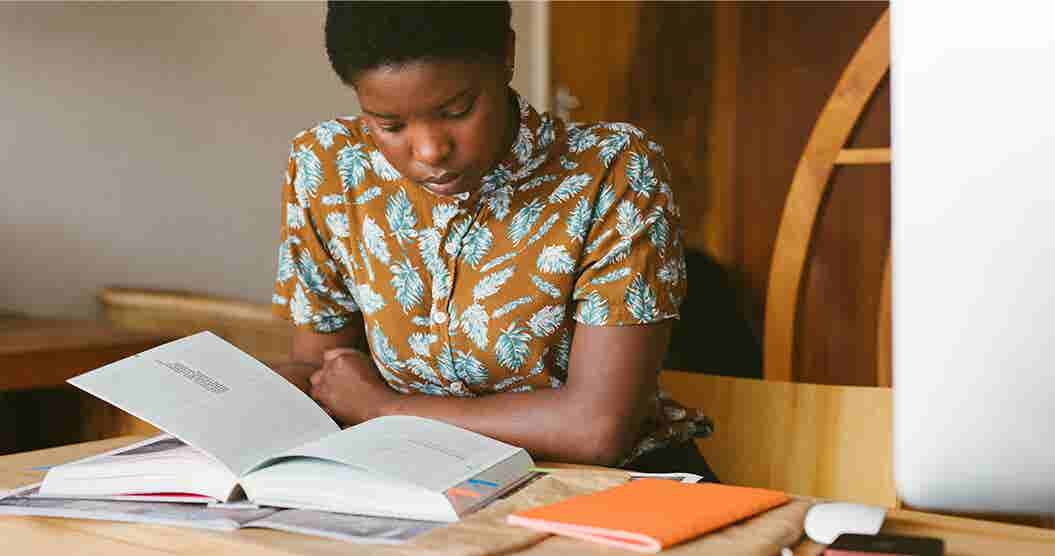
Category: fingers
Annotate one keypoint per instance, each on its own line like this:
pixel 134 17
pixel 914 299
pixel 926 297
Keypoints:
pixel 331 354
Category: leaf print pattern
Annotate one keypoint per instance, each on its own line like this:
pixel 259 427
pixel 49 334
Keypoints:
pixel 579 221
pixel 300 307
pixel 491 283
pixel 511 347
pixel 469 369
pixel 668 272
pixel 420 343
pixel 523 147
pixel 382 348
pixel 474 323
pixel 534 183
pixel 629 220
pixel 545 287
pixel 382 167
pixel 544 228
pixel 641 300
pixel 562 355
pixel 309 175
pixel 605 200
pixel 369 301
pixel 476 245
pixel 366 261
pixel 332 200
pixel 523 220
pixel 367 196
pixel 406 282
pixel 498 203
pixel 401 218
pixel 374 237
pixel 337 222
pixel 546 133
pixel 546 320
pixel 294 216
pixel 659 232
pixel 508 307
pixel 611 146
pixel 555 259
pixel 285 261
pixel 580 140
pixel 309 274
pixel 570 187
pixel 593 311
pixel 442 215
pixel 640 176
pixel 325 132
pixel 498 260
pixel 339 252
pixel 613 276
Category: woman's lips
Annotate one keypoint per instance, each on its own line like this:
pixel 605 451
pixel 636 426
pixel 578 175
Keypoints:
pixel 445 183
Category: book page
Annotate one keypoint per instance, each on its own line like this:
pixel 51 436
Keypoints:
pixel 212 396
pixel 423 452
pixel 346 527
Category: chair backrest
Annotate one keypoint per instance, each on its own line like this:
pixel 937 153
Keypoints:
pixel 250 326
pixel 824 150
pixel 805 439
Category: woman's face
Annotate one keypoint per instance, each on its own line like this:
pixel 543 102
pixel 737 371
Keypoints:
pixel 442 123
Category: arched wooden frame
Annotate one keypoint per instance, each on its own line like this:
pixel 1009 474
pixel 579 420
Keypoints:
pixel 824 150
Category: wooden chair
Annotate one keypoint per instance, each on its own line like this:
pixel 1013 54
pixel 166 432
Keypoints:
pixel 250 326
pixel 806 439
pixel 824 150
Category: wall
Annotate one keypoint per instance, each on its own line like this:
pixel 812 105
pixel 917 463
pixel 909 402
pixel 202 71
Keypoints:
pixel 144 144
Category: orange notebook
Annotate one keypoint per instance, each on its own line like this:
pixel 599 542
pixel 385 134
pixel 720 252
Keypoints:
pixel 648 515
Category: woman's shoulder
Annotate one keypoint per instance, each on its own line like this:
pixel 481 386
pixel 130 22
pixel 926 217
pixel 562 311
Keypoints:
pixel 333 135
pixel 614 143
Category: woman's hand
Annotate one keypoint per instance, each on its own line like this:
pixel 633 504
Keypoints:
pixel 349 387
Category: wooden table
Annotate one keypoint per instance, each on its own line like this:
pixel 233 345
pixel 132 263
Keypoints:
pixel 43 353
pixel 32 535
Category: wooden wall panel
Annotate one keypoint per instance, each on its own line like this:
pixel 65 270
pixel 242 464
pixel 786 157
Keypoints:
pixel 732 91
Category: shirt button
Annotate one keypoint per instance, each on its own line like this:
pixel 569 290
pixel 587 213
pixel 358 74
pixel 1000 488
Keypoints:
pixel 439 317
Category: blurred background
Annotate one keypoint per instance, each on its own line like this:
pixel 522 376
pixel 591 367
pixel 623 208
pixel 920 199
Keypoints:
pixel 144 144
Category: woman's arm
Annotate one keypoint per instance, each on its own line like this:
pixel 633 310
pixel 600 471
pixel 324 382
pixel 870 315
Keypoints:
pixel 595 418
pixel 307 349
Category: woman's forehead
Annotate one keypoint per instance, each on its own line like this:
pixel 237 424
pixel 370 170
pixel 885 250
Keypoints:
pixel 419 86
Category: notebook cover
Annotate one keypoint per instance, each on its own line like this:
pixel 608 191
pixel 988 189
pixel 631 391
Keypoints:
pixel 648 515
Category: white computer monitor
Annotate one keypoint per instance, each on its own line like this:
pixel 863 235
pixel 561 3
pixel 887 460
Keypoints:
pixel 973 216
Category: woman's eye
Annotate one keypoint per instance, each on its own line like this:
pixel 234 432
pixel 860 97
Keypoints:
pixel 459 113
pixel 391 128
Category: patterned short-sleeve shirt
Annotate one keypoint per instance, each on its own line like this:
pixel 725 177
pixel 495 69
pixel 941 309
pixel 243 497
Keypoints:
pixel 479 292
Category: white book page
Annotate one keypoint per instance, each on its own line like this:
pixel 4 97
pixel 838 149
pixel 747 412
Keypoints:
pixel 346 527
pixel 166 465
pixel 212 396
pixel 423 452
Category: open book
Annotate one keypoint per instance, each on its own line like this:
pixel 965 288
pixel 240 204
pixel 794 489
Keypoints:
pixel 239 430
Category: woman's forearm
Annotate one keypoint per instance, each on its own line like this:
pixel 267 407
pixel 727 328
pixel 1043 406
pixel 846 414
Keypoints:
pixel 550 424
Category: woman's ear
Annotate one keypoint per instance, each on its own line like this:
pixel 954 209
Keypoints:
pixel 511 55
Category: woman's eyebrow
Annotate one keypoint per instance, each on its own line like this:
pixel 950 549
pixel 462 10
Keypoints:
pixel 458 96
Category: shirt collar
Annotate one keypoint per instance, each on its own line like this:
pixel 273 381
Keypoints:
pixel 526 153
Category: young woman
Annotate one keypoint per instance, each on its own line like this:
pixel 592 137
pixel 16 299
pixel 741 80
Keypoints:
pixel 454 254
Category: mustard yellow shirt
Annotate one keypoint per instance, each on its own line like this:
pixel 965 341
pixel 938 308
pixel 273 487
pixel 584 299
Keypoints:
pixel 480 293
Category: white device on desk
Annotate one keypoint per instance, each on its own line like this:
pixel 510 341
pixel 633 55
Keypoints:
pixel 973 221
pixel 825 522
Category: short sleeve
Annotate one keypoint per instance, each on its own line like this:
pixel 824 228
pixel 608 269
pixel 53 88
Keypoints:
pixel 310 289
pixel 633 267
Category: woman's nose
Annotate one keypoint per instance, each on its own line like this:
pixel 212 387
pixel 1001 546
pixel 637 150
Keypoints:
pixel 432 147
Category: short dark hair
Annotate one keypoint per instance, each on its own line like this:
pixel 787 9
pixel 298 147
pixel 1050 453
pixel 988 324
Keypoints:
pixel 367 35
